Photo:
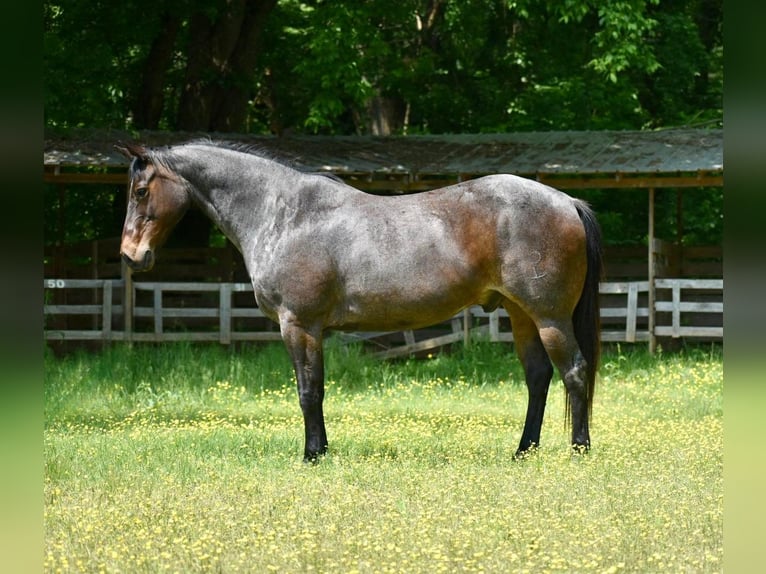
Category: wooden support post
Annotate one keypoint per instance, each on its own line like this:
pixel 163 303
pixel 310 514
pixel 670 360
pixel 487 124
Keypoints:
pixel 652 272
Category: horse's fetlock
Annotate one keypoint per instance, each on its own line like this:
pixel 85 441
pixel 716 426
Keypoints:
pixel 575 379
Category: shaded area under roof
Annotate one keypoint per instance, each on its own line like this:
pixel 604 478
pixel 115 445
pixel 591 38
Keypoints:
pixel 663 158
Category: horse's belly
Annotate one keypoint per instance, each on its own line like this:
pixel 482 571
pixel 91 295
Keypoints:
pixel 390 321
pixel 378 310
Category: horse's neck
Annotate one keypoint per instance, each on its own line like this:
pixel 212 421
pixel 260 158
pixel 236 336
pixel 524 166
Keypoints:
pixel 239 196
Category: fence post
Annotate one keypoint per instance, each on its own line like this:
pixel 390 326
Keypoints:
pixel 94 275
pixel 224 313
pixel 652 270
pixel 494 326
pixel 128 294
pixel 157 312
pixel 466 326
pixel 676 313
pixel 106 311
pixel 632 312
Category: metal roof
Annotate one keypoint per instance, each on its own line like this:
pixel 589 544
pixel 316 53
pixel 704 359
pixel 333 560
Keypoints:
pixel 666 155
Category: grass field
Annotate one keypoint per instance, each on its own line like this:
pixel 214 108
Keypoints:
pixel 188 459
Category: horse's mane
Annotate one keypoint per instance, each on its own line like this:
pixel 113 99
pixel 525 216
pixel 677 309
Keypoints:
pixel 164 156
pixel 243 147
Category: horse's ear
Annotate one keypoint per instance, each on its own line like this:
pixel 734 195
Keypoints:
pixel 130 151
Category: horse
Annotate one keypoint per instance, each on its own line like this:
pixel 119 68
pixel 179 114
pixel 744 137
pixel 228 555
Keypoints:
pixel 324 256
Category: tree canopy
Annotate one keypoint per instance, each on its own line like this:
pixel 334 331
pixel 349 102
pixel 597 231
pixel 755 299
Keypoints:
pixel 412 66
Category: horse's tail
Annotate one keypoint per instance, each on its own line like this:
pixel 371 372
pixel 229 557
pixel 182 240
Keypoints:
pixel 586 317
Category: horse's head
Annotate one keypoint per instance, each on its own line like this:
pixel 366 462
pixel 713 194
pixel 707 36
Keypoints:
pixel 157 199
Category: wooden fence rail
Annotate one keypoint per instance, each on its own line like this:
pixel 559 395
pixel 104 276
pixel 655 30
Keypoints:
pixel 224 312
pixel 703 297
pixel 106 309
pixel 94 309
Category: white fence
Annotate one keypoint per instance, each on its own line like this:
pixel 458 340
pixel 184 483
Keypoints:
pixel 95 309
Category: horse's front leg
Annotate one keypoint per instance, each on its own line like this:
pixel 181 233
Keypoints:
pixel 305 348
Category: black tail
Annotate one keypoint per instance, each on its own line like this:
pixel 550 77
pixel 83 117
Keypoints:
pixel 586 317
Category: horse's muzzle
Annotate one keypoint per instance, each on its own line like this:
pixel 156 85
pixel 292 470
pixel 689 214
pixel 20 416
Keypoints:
pixel 146 262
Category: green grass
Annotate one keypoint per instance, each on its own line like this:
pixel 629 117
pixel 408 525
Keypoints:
pixel 184 458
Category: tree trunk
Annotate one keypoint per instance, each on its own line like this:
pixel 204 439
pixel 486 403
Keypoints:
pixel 384 116
pixel 210 46
pixel 428 24
pixel 150 99
pixel 222 56
pixel 235 91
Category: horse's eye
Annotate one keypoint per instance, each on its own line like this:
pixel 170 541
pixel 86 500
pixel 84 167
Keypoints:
pixel 140 192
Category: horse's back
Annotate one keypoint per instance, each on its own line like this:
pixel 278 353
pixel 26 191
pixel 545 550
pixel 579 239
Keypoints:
pixel 520 193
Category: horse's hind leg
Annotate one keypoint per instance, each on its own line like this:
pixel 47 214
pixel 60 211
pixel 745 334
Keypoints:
pixel 537 371
pixel 561 345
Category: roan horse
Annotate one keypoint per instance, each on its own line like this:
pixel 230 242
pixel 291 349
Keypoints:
pixel 324 256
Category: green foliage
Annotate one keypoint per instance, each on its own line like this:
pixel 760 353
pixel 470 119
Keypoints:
pixel 174 457
pixel 439 66
pixel 86 212
pixel 623 215
pixel 90 54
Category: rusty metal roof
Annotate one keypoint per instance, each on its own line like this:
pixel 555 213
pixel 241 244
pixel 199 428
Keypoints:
pixel 575 153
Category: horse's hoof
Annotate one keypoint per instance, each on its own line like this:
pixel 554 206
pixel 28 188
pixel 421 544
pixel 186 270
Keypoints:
pixel 526 453
pixel 314 458
pixel 580 449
